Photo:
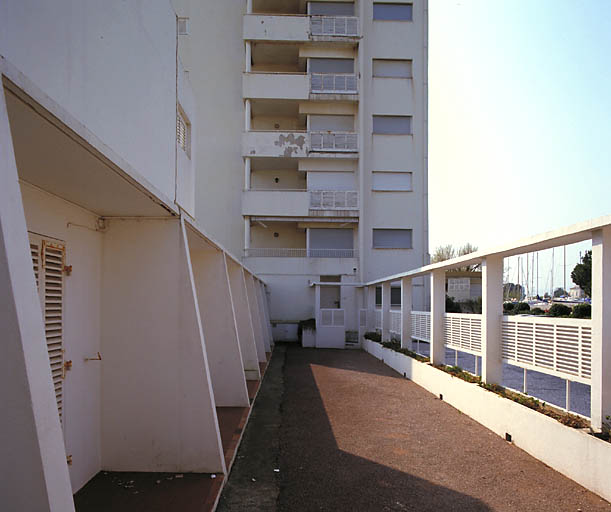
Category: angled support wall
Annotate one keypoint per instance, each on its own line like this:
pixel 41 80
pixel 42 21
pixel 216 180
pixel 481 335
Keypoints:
pixel 32 449
pixel 255 316
pixel 265 325
pixel 158 408
pixel 243 320
pixel 216 311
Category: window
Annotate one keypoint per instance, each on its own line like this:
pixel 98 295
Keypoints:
pixel 182 26
pixel 331 123
pixel 392 238
pixel 332 9
pixel 392 12
pixel 392 125
pixel 388 68
pixel 183 132
pixel 392 181
pixel 331 238
pixel 331 65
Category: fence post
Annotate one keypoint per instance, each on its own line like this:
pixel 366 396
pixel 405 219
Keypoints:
pixel 492 316
pixel 406 312
pixel 601 327
pixel 438 308
pixel 386 311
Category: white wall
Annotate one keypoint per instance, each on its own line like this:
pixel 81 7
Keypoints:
pixel 50 216
pixel 288 235
pixel 287 179
pixel 111 65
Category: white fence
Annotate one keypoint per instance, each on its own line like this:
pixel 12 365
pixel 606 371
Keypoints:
pixel 334 25
pixel 332 317
pixel 378 319
pixel 421 325
pixel 273 252
pixel 557 346
pixel 395 322
pixel 333 141
pixel 334 200
pixel 463 332
pixel 333 83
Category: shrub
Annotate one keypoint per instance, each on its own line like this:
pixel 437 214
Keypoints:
pixel 521 307
pixel 537 311
pixel 451 306
pixel 373 336
pixel 559 310
pixel 582 311
pixel 508 307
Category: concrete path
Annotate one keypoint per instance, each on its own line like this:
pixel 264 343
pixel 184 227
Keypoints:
pixel 354 435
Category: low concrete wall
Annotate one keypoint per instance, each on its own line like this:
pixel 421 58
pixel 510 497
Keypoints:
pixel 573 453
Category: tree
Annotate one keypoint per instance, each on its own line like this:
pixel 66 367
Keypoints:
pixel 582 273
pixel 513 291
pixel 560 292
pixel 447 252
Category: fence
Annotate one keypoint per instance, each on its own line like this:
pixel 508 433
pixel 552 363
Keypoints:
pixel 334 200
pixel 273 252
pixel 333 141
pixel 463 332
pixel 334 25
pixel 333 83
pixel 332 317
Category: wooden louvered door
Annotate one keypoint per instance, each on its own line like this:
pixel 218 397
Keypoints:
pixel 48 258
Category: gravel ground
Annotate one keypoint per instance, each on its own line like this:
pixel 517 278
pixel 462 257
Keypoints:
pixel 350 434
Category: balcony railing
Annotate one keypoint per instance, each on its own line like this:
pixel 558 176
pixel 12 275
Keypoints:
pixel 334 141
pixel 273 252
pixel 333 83
pixel 334 200
pixel 334 25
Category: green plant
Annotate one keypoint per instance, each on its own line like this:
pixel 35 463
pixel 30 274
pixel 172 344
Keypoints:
pixel 537 311
pixel 457 371
pixel 521 307
pixel 373 336
pixel 582 273
pixel 452 306
pixel 558 310
pixel 508 307
pixel 582 311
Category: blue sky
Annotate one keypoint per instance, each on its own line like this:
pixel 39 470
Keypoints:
pixel 519 117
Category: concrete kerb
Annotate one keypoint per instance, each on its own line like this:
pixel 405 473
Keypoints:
pixel 575 454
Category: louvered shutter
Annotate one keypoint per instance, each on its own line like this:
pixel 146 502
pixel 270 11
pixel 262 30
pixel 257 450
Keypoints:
pixel 48 258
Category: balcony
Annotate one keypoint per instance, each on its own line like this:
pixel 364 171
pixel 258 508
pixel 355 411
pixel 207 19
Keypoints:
pixel 299 28
pixel 274 252
pixel 298 86
pixel 290 203
pixel 294 144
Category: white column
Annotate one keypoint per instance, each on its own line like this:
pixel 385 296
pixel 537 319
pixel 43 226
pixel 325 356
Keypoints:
pixel 317 304
pixel 438 308
pixel 246 235
pixel 371 308
pixel 247 114
pixel 247 181
pixel 386 311
pixel 406 312
pixel 248 57
pixel 492 313
pixel 248 6
pixel 33 462
pixel 308 242
pixel 601 327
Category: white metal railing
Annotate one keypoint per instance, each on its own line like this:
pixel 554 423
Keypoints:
pixel 378 319
pixel 362 318
pixel 421 325
pixel 395 322
pixel 332 317
pixel 334 200
pixel 334 25
pixel 463 332
pixel 333 83
pixel 273 252
pixel 333 141
pixel 557 346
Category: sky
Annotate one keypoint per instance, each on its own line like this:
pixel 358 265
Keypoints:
pixel 519 119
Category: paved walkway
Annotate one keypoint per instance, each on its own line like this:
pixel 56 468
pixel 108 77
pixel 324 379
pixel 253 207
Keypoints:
pixel 350 434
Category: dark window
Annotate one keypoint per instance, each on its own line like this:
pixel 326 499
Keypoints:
pixel 394 12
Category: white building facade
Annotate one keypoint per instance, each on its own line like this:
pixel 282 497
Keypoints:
pixel 312 117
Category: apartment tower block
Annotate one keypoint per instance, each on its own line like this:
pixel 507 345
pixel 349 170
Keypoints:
pixel 311 144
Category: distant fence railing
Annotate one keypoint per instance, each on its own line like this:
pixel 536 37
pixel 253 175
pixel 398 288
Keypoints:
pixel 333 141
pixel 334 25
pixel 334 200
pixel 333 83
pixel 557 346
pixel 464 332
